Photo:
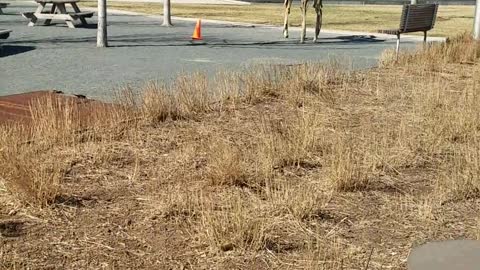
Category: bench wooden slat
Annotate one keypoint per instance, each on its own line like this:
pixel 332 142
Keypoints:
pixel 47 16
pixel 56 16
pixel 418 17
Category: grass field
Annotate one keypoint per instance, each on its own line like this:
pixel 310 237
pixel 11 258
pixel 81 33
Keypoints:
pixel 298 167
pixel 451 20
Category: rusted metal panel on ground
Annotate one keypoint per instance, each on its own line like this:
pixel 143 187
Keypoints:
pixel 16 108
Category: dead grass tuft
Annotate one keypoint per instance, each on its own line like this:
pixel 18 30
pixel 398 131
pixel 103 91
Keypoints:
pixel 349 167
pixel 288 141
pixel 186 98
pixel 459 49
pixel 227 164
pixel 238 227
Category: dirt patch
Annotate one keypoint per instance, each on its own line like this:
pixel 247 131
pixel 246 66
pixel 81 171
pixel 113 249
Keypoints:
pixel 12 228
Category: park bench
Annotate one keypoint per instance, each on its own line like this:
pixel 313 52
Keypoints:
pixel 58 11
pixel 4 33
pixel 3 5
pixel 415 18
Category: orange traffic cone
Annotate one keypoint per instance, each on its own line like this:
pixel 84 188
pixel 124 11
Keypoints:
pixel 197 33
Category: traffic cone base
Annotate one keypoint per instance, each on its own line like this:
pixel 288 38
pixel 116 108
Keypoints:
pixel 197 33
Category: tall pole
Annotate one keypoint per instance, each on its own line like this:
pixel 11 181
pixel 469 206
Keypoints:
pixel 167 18
pixel 102 24
pixel 476 24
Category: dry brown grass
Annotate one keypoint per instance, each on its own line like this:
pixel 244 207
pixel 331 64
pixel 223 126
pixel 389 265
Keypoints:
pixel 28 168
pixel 32 158
pixel 227 164
pixel 187 97
pixel 290 167
pixel 33 176
pixel 460 49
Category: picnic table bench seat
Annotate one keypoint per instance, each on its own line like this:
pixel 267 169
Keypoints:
pixel 3 5
pixel 4 34
pixel 415 18
pixel 71 16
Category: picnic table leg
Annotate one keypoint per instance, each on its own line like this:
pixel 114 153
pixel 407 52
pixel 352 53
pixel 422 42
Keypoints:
pixel 1 12
pixel 61 8
pixel 52 10
pixel 77 10
pixel 34 19
pixel 398 46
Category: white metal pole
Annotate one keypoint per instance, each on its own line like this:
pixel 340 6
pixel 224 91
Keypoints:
pixel 476 24
pixel 167 18
pixel 102 24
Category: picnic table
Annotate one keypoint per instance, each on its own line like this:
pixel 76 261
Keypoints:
pixel 57 11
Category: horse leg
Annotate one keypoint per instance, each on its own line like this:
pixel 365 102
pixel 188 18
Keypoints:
pixel 288 5
pixel 318 25
pixel 303 7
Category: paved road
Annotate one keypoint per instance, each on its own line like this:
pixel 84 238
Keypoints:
pixel 56 57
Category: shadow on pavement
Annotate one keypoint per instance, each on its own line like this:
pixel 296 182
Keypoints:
pixel 87 26
pixel 172 39
pixel 5 13
pixel 8 50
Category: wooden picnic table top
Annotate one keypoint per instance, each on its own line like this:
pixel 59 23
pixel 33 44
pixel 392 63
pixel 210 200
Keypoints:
pixel 56 1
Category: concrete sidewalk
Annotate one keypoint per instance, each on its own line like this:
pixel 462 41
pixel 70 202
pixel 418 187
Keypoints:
pixel 56 57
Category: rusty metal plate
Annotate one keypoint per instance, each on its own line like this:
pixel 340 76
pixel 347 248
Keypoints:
pixel 16 108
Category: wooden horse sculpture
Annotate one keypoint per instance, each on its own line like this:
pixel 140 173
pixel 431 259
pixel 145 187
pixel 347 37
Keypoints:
pixel 317 4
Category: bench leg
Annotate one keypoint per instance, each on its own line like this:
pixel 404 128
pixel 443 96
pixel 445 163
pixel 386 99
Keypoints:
pixel 52 10
pixel 398 46
pixel 77 10
pixel 70 24
pixel 34 19
pixel 63 10
pixel 1 12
